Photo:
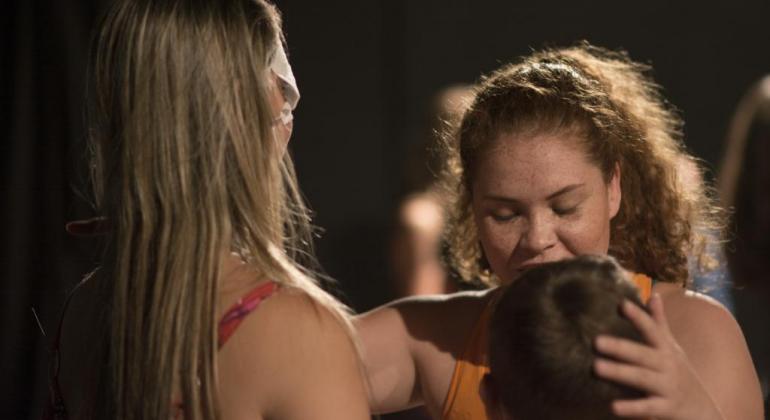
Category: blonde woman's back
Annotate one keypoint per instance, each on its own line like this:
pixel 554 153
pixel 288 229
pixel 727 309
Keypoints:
pixel 290 358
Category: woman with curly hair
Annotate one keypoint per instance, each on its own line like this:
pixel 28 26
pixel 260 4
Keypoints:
pixel 202 307
pixel 569 152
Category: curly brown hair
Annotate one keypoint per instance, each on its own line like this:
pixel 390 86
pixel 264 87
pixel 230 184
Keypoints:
pixel 623 120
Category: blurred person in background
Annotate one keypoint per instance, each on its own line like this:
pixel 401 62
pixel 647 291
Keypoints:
pixel 744 186
pixel 708 266
pixel 418 248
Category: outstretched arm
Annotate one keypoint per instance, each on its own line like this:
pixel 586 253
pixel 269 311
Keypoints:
pixel 388 360
pixel 411 347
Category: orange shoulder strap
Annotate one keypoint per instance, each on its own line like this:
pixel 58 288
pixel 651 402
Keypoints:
pixel 644 284
pixel 463 400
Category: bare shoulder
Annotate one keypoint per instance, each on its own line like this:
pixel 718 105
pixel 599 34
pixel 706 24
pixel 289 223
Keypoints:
pixel 291 327
pixel 716 349
pixel 289 316
pixel 701 325
pixel 692 314
pixel 294 306
pixel 293 358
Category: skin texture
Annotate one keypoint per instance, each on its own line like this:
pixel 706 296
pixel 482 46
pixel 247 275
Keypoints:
pixel 290 359
pixel 410 351
pixel 558 208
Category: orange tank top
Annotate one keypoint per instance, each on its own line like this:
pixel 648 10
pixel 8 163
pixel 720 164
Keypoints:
pixel 463 401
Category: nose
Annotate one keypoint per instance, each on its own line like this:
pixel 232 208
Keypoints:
pixel 539 235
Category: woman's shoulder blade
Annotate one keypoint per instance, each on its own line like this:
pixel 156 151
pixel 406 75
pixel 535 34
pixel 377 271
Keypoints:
pixel 291 355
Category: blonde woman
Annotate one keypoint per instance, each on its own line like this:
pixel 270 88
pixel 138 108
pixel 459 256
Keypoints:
pixel 200 308
pixel 569 152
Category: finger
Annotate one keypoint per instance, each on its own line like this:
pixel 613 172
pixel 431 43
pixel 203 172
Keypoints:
pixel 641 408
pixel 643 322
pixel 634 376
pixel 628 351
pixel 658 311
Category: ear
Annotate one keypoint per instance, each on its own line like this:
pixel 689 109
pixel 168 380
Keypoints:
pixel 614 192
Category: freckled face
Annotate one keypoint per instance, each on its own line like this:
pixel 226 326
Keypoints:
pixel 539 199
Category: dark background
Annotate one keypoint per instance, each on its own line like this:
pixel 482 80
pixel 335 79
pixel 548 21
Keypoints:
pixel 366 71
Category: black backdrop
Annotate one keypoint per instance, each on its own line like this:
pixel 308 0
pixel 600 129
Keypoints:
pixel 366 71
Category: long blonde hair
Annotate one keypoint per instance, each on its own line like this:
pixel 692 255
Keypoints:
pixel 186 168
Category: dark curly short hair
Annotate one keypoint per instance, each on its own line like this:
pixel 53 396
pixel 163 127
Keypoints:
pixel 541 340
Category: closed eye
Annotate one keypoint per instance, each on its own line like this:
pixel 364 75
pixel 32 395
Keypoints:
pixel 504 217
pixel 564 211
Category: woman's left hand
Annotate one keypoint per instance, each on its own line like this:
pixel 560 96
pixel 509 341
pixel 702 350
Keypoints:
pixel 660 368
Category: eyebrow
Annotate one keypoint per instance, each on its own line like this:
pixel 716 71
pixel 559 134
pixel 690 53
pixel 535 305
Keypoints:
pixel 551 196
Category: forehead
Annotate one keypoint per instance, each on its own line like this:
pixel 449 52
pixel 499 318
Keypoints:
pixel 516 164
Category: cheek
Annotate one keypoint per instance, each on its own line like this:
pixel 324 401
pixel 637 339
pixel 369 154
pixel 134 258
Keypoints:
pixel 588 235
pixel 498 241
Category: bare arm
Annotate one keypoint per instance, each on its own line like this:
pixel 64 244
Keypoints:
pixel 388 359
pixel 411 346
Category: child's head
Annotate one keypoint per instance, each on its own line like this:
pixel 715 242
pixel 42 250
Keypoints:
pixel 542 332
